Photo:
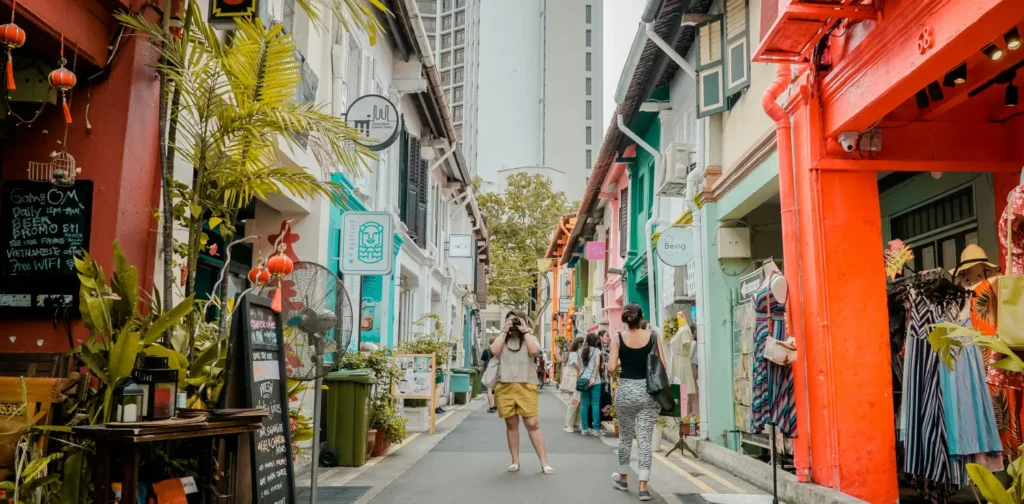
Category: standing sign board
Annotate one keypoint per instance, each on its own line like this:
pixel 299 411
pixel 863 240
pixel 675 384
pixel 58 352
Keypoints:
pixel 377 121
pixel 259 350
pixel 43 227
pixel 675 246
pixel 366 243
pixel 417 382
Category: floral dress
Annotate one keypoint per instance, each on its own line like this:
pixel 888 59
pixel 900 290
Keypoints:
pixel 773 399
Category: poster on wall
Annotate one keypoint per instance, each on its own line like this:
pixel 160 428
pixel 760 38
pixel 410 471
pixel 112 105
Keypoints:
pixel 371 310
pixel 417 379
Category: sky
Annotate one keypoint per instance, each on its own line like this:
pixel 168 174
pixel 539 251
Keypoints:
pixel 621 19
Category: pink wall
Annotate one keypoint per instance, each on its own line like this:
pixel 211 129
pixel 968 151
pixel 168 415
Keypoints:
pixel 613 294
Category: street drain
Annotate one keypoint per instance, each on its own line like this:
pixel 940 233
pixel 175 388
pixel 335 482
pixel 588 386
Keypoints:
pixel 333 495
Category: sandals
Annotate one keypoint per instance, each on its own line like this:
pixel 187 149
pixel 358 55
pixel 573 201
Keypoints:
pixel 548 470
pixel 514 468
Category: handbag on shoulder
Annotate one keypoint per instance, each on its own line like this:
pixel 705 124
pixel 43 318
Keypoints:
pixel 658 385
pixel 782 353
pixel 490 377
pixel 583 382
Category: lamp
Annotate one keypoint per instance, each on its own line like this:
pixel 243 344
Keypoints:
pixel 159 384
pixel 127 401
pixel 1012 39
pixel 956 76
pixel 993 52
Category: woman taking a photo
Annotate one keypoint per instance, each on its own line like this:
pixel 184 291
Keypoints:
pixel 516 392
pixel 592 365
pixel 636 409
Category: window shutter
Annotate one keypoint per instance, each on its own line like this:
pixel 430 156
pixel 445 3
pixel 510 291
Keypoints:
pixel 423 195
pixel 623 221
pixel 737 46
pixel 710 68
pixel 412 186
pixel 481 285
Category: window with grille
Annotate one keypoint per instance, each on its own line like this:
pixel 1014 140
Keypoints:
pixel 590 132
pixel 460 56
pixel 589 35
pixel 460 19
pixel 623 221
pixel 460 37
pixel 459 75
pixel 457 94
pixel 590 85
pixel 446 60
pixel 446 23
pixel 446 41
pixel 589 61
pixel 589 14
pixel 590 110
pixel 590 159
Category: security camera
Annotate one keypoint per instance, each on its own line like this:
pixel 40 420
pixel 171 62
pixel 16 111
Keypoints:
pixel 849 139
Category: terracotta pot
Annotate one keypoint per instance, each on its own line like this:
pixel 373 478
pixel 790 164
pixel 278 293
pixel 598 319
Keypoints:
pixel 382 445
pixel 616 430
pixel 371 441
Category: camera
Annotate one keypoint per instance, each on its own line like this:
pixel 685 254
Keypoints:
pixel 516 322
pixel 849 140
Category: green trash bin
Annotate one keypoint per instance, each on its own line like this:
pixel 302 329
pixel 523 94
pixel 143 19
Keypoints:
pixel 478 378
pixel 348 414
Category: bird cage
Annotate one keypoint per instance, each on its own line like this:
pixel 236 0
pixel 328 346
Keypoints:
pixel 60 170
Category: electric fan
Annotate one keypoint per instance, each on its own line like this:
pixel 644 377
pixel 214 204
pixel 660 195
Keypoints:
pixel 318 327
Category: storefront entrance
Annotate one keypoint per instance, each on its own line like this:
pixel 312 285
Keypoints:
pixel 925 87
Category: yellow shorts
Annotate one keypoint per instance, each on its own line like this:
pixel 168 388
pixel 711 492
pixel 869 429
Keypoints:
pixel 516 399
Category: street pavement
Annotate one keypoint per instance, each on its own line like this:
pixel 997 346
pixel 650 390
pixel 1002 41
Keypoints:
pixel 466 462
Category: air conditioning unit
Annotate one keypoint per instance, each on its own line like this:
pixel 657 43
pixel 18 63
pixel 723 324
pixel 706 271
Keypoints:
pixel 675 164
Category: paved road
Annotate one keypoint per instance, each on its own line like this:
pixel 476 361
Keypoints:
pixel 468 466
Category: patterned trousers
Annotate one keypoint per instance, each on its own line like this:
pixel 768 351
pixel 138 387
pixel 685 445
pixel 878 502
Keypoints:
pixel 636 412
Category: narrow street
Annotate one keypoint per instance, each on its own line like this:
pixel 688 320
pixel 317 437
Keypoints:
pixel 465 461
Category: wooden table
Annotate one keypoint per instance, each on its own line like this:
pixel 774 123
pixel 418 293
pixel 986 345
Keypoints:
pixel 125 442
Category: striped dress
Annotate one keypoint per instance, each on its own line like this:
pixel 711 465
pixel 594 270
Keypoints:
pixel 772 396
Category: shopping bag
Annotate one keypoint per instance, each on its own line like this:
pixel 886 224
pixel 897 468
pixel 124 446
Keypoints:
pixel 1010 314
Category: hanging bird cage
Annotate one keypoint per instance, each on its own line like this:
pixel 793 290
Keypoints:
pixel 61 169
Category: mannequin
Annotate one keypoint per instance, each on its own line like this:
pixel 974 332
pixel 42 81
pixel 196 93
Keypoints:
pixel 680 350
pixel 776 283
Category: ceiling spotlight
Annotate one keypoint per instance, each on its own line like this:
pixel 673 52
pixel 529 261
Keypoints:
pixel 935 91
pixel 960 73
pixel 1012 95
pixel 1012 39
pixel 993 52
pixel 922 99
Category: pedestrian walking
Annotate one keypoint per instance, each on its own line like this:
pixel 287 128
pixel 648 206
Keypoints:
pixel 568 384
pixel 592 364
pixel 486 359
pixel 636 409
pixel 541 368
pixel 516 391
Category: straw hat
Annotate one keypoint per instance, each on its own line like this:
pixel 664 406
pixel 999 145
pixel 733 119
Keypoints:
pixel 972 255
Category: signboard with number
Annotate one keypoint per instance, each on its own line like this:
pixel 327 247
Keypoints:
pixel 42 228
pixel 366 243
pixel 260 353
pixel 418 379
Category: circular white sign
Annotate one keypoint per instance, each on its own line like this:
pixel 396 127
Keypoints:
pixel 377 120
pixel 675 246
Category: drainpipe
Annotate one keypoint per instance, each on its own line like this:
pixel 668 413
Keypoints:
pixel 700 287
pixel 791 256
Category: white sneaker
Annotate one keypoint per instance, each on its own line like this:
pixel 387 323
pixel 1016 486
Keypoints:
pixel 569 430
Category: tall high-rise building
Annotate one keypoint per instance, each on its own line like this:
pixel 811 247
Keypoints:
pixel 524 80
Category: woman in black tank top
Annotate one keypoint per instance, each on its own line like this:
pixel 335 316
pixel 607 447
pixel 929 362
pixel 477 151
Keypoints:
pixel 635 409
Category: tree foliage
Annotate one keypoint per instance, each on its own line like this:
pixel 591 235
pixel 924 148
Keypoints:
pixel 520 222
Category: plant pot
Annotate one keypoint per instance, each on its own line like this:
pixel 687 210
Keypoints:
pixel 616 430
pixel 371 441
pixel 382 445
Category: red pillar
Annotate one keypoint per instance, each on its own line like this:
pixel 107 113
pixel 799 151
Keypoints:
pixel 849 387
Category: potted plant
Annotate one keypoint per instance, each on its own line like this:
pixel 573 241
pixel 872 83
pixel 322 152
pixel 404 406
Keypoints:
pixel 688 425
pixel 386 425
pixel 609 410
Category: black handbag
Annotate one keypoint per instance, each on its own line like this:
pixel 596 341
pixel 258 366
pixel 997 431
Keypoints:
pixel 658 385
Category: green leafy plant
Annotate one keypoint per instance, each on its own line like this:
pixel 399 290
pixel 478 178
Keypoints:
pixel 383 403
pixel 433 338
pixel 669 328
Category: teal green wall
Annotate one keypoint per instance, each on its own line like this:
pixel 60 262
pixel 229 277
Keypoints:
pixel 641 195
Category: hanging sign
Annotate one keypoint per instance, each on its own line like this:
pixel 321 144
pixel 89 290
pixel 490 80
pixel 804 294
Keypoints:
pixel 377 121
pixel 594 251
pixel 749 284
pixel 366 243
pixel 226 11
pixel 675 246
pixel 460 245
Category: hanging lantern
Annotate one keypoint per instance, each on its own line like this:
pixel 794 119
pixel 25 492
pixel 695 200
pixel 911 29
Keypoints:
pixel 63 79
pixel 159 384
pixel 12 36
pixel 279 266
pixel 127 401
pixel 259 275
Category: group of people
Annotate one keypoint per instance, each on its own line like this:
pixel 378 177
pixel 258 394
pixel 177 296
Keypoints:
pixel 597 359
pixel 587 360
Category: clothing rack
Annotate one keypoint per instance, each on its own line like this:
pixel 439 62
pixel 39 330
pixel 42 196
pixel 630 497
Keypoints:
pixel 921 276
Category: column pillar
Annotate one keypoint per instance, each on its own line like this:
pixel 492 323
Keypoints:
pixel 845 347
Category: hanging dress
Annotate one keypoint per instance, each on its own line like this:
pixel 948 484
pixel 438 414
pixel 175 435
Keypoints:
pixel 967 406
pixel 772 395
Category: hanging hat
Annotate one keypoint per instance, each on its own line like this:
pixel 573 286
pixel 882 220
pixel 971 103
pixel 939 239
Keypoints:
pixel 972 255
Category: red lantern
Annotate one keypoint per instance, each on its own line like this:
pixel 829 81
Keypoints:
pixel 63 79
pixel 12 36
pixel 259 275
pixel 280 265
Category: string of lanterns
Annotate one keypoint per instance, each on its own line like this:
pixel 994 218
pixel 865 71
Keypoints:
pixel 278 266
pixel 13 37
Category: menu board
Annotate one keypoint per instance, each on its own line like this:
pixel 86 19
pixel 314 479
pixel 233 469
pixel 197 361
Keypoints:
pixel 417 380
pixel 42 228
pixel 259 331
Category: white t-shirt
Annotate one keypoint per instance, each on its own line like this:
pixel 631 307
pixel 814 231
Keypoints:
pixel 574 358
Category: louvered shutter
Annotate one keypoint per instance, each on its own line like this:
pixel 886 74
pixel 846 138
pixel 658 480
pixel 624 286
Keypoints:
pixel 403 176
pixel 710 68
pixel 412 186
pixel 481 285
pixel 737 46
pixel 623 221
pixel 423 198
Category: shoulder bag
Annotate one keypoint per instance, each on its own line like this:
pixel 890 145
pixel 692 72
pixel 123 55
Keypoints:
pixel 1009 315
pixel 782 353
pixel 657 379
pixel 583 382
pixel 490 377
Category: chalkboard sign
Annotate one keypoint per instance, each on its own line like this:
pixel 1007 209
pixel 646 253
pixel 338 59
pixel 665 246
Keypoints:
pixel 42 228
pixel 258 330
